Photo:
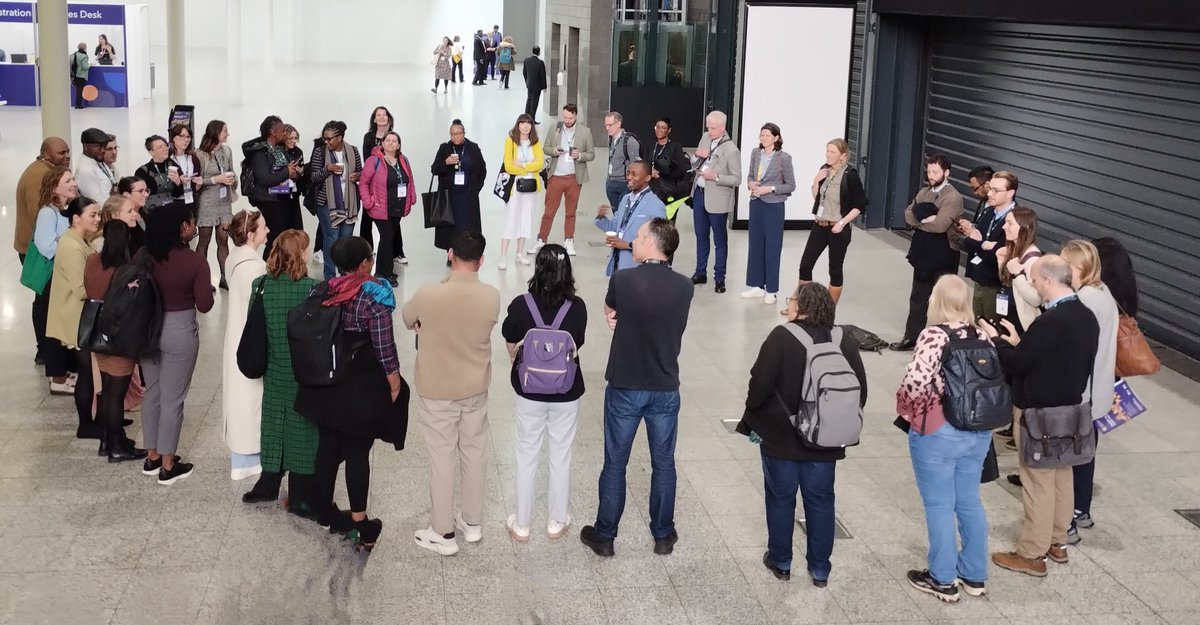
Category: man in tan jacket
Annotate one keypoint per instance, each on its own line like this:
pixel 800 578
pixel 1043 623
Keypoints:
pixel 453 321
pixel 55 153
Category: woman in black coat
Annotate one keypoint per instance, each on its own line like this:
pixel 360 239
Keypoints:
pixel 775 393
pixel 669 165
pixel 459 161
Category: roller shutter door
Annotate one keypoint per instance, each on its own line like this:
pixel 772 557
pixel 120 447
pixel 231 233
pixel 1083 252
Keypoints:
pixel 1101 126
pixel 857 78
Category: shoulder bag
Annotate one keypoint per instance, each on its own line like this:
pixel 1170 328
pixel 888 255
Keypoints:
pixel 37 269
pixel 87 326
pixel 437 207
pixel 1134 356
pixel 252 348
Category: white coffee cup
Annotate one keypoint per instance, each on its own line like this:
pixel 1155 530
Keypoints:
pixel 610 233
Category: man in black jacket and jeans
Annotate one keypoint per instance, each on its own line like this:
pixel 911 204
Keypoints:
pixel 534 73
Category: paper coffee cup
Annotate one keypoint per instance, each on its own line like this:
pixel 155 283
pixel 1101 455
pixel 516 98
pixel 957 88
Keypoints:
pixel 610 233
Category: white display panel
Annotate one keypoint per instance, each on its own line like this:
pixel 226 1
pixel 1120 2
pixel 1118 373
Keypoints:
pixel 795 73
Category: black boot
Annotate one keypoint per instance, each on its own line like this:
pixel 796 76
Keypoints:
pixel 366 533
pixel 338 521
pixel 121 448
pixel 266 489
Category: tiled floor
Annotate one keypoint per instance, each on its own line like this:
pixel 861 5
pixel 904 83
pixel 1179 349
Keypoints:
pixel 86 542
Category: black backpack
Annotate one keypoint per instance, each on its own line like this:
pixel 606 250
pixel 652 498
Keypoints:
pixel 867 341
pixel 625 146
pixel 321 350
pixel 130 324
pixel 977 398
pixel 246 182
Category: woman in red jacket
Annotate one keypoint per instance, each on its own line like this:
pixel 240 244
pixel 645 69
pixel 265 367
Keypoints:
pixel 388 193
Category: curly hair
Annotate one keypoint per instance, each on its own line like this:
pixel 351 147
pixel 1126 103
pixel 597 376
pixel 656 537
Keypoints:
pixel 814 305
pixel 287 255
pixel 48 195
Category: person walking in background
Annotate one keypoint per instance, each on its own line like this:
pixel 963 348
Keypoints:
pixel 453 321
pixel 336 167
pixel 523 160
pixel 456 60
pixel 381 124
pixel 79 72
pixel 932 254
pixel 479 56
pixel 506 55
pixel 533 70
pixel 539 413
pixel 492 41
pixel 838 199
pixel 770 181
pixel 388 194
pixel 718 166
pixel 241 397
pixel 461 170
pixel 441 64
pixel 569 149
pixel 218 191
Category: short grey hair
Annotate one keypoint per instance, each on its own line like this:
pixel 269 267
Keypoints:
pixel 718 117
pixel 615 116
pixel 1054 268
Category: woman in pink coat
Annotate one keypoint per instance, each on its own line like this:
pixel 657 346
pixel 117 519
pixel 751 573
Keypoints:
pixel 388 193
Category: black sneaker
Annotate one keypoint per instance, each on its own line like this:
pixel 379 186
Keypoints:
pixel 783 574
pixel 699 279
pixel 1084 520
pixel 603 547
pixel 152 467
pixel 975 589
pixel 178 472
pixel 924 582
pixel 664 546
pixel 720 288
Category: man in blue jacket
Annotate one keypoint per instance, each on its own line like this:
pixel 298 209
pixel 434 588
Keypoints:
pixel 639 206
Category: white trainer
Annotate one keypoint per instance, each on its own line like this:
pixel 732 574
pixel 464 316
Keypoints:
pixel 556 529
pixel 402 260
pixel 537 245
pixel 523 260
pixel 519 534
pixel 769 298
pixel 752 293
pixel 244 472
pixel 570 245
pixel 502 265
pixel 471 533
pixel 435 542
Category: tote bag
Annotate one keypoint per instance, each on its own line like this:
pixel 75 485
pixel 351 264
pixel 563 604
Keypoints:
pixel 1134 356
pixel 36 271
pixel 437 207
pixel 252 348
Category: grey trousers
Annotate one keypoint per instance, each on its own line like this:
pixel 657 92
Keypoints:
pixel 168 377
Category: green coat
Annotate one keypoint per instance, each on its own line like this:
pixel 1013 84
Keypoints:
pixel 81 64
pixel 289 441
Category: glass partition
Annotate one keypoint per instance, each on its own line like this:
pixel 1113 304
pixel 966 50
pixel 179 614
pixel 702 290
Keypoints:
pixel 659 54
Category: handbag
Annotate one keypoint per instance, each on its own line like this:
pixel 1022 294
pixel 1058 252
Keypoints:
pixel 37 269
pixel 437 207
pixel 87 325
pixel 503 187
pixel 1134 356
pixel 1061 436
pixel 252 348
pixel 526 185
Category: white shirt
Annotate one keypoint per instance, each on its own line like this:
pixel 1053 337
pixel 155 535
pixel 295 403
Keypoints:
pixel 565 165
pixel 93 182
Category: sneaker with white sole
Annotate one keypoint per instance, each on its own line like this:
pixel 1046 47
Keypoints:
pixel 471 533
pixel 523 260
pixel 402 260
pixel 1084 520
pixel 62 388
pixel 435 542
pixel 244 472
pixel 502 265
pixel 570 245
pixel 769 299
pixel 753 292
pixel 556 529
pixel 537 245
pixel 178 471
pixel 519 534
pixel 975 589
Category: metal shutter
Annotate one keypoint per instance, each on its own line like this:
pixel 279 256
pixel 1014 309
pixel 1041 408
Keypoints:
pixel 1102 128
pixel 857 83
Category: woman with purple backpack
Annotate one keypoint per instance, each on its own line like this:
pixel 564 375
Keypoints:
pixel 544 330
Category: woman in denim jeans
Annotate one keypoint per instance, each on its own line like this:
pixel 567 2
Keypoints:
pixel 947 461
pixel 774 394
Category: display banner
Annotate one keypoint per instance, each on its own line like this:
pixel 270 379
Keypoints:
pixel 90 24
pixel 18 74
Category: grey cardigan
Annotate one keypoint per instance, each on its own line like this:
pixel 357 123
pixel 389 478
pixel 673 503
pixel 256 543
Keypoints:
pixel 1104 307
pixel 778 174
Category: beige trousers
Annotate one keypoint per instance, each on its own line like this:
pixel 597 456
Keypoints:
pixel 1048 496
pixel 456 435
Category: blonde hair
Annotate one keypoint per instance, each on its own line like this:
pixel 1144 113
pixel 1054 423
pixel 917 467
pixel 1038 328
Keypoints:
pixel 112 207
pixel 950 301
pixel 1084 256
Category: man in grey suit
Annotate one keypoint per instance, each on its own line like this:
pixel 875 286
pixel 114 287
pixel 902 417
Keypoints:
pixel 637 207
pixel 534 72
pixel 718 166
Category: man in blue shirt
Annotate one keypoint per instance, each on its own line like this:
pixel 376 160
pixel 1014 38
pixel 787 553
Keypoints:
pixel 639 206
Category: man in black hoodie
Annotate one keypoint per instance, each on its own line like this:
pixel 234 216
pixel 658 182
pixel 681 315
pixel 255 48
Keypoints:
pixel 272 174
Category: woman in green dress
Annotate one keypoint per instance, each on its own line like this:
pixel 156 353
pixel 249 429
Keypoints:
pixel 289 441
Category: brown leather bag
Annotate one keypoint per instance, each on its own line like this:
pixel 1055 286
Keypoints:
pixel 1134 356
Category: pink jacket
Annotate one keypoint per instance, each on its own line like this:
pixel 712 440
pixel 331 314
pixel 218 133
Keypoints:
pixel 373 185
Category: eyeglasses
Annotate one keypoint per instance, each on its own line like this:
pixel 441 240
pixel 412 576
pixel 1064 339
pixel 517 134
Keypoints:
pixel 328 139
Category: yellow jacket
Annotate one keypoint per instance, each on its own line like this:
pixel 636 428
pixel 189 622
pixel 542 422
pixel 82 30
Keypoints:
pixel 66 288
pixel 518 169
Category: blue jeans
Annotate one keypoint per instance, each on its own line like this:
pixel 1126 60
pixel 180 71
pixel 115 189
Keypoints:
pixel 332 234
pixel 766 244
pixel 624 409
pixel 947 464
pixel 615 190
pixel 781 478
pixel 705 221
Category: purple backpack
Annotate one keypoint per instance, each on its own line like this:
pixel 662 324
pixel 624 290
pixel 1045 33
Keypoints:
pixel 546 362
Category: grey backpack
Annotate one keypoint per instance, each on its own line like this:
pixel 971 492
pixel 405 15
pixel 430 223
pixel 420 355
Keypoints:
pixel 830 414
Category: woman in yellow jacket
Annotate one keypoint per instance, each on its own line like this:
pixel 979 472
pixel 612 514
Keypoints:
pixel 67 295
pixel 523 160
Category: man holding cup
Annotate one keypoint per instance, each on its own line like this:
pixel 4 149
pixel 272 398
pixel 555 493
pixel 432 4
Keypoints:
pixel 637 207
pixel 568 150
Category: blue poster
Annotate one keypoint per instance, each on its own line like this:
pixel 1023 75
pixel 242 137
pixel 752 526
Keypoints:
pixel 18 75
pixel 96 25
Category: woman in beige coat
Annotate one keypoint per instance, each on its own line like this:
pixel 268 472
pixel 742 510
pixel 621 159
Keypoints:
pixel 241 396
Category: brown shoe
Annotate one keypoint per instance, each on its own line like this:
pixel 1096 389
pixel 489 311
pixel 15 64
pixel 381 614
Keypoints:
pixel 1014 562
pixel 1058 553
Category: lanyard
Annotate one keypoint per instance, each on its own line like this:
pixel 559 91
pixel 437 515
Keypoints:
pixel 633 203
pixel 829 183
pixel 658 151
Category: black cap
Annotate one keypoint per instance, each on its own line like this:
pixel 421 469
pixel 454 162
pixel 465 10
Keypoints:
pixel 93 136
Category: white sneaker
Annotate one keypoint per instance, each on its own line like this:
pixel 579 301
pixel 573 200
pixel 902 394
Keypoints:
pixel 769 298
pixel 471 533
pixel 523 260
pixel 570 245
pixel 502 265
pixel 519 534
pixel 753 293
pixel 72 378
pixel 435 542
pixel 537 246
pixel 318 258
pixel 245 472
pixel 402 260
pixel 555 529
pixel 62 388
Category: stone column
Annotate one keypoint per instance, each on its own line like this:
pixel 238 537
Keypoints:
pixel 176 44
pixel 53 67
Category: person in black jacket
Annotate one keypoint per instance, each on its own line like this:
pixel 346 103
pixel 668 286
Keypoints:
pixel 479 55
pixel 775 393
pixel 274 176
pixel 838 199
pixel 668 163
pixel 460 169
pixel 534 72
pixel 983 237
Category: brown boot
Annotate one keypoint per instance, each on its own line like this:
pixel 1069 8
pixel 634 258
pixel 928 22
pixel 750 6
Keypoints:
pixel 1014 562
pixel 836 293
pixel 1058 553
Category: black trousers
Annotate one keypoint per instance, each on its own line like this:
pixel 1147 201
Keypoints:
pixel 456 67
pixel 480 71
pixel 79 83
pixel 85 388
pixel 110 408
pixel 819 238
pixel 531 102
pixel 491 64
pixel 333 448
pixel 391 246
pixel 1084 476
pixel 54 354
pixel 279 216
pixel 918 298
pixel 365 231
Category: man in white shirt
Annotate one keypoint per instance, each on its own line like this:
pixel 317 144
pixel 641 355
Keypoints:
pixel 568 149
pixel 95 179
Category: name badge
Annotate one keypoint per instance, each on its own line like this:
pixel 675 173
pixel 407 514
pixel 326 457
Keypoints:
pixel 188 198
pixel 621 234
pixel 223 192
pixel 975 260
pixel 1002 299
pixel 402 191
pixel 460 178
pixel 610 169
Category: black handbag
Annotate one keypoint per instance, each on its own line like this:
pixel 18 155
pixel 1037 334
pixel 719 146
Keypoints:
pixel 437 207
pixel 526 185
pixel 252 348
pixel 87 325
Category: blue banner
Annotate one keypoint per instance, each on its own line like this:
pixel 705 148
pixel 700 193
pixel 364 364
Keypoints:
pixel 99 14
pixel 20 12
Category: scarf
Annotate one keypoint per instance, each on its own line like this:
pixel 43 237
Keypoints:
pixel 346 287
pixel 349 190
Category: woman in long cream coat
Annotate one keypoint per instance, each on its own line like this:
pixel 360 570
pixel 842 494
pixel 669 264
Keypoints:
pixel 242 397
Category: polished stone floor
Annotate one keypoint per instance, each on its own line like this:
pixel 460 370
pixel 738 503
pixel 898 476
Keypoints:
pixel 85 542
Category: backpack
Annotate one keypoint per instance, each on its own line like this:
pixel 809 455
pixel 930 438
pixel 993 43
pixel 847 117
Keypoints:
pixel 866 341
pixel 74 63
pixel 246 181
pixel 130 323
pixel 977 397
pixel 830 414
pixel 625 146
pixel 505 54
pixel 546 361
pixel 321 350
